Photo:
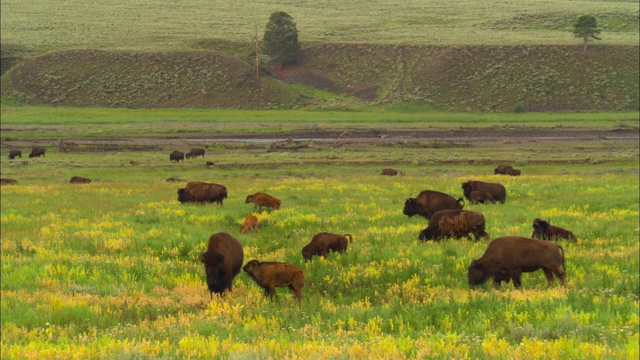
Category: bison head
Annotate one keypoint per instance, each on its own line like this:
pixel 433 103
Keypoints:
pixel 216 274
pixel 184 196
pixel 307 253
pixel 476 274
pixel 411 207
pixel 467 188
pixel 540 226
pixel 250 266
pixel 427 234
pixel 249 199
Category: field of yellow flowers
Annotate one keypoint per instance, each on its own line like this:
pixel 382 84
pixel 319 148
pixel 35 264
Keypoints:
pixel 110 270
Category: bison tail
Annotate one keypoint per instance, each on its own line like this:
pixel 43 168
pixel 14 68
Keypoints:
pixel 348 236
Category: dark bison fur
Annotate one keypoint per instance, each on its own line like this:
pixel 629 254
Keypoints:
pixel 543 230
pixel 482 197
pixel 513 172
pixel 176 156
pixel 323 243
pixel 465 223
pixel 195 152
pixel 432 232
pixel 36 152
pixel 15 153
pixel 497 191
pixel 202 192
pixel 261 199
pixel 175 180
pixel 222 261
pixel 501 169
pixel 428 202
pixel 509 256
pixel 270 275
pixel 389 172
pixel 79 180
pixel 8 182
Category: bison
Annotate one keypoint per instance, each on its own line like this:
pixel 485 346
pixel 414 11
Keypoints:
pixel 222 262
pixel 481 197
pixel 250 224
pixel 210 163
pixel 543 230
pixel 513 172
pixel 260 199
pixel 497 191
pixel 389 172
pixel 465 223
pixel 134 163
pixel 501 169
pixel 270 275
pixel 8 182
pixel 14 153
pixel 174 180
pixel 428 202
pixel 36 152
pixel 176 156
pixel 79 180
pixel 202 192
pixel 324 242
pixel 508 257
pixel 195 152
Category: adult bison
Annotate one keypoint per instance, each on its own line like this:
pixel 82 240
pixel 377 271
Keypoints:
pixel 260 199
pixel 501 169
pixel 513 172
pixel 222 261
pixel 497 191
pixel 202 192
pixel 482 197
pixel 36 152
pixel 428 202
pixel 473 223
pixel 8 182
pixel 79 180
pixel 543 230
pixel 389 172
pixel 176 156
pixel 269 275
pixel 323 243
pixel 195 152
pixel 508 257
pixel 15 153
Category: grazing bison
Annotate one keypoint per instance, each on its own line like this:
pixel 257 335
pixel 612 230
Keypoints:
pixel 270 275
pixel 501 169
pixel 36 152
pixel 509 256
pixel 222 261
pixel 465 223
pixel 176 156
pixel 8 182
pixel 543 230
pixel 14 153
pixel 324 242
pixel 513 172
pixel 481 197
pixel 210 163
pixel 261 199
pixel 389 172
pixel 202 192
pixel 428 202
pixel 195 152
pixel 250 224
pixel 134 163
pixel 497 191
pixel 79 180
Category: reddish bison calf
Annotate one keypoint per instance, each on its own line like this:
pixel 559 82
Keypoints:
pixel 14 153
pixel 324 242
pixel 222 261
pixel 250 224
pixel 481 197
pixel 509 256
pixel 261 199
pixel 543 230
pixel 429 202
pixel 201 192
pixel 270 275
pixel 79 180
pixel 465 223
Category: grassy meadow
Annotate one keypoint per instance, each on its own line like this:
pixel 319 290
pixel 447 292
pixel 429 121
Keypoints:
pixel 110 270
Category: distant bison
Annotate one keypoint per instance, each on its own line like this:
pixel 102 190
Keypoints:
pixel 270 275
pixel 513 172
pixel 323 243
pixel 79 180
pixel 8 182
pixel 210 163
pixel 428 202
pixel 195 152
pixel 202 192
pixel 250 224
pixel 260 199
pixel 497 191
pixel 36 152
pixel 543 230
pixel 176 156
pixel 465 223
pixel 222 261
pixel 389 172
pixel 501 169
pixel 482 197
pixel 134 163
pixel 14 153
pixel 509 256
pixel 175 180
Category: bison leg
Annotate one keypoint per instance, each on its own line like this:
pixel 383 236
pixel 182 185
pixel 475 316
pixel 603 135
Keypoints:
pixel 549 274
pixel 515 277
pixel 271 291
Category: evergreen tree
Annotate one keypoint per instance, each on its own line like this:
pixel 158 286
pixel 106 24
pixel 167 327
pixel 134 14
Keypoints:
pixel 585 28
pixel 281 39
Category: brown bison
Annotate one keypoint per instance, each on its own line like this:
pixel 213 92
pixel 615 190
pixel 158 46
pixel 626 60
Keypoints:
pixel 428 202
pixel 79 180
pixel 543 230
pixel 324 242
pixel 134 163
pixel 250 224
pixel 202 192
pixel 513 172
pixel 458 223
pixel 176 156
pixel 195 152
pixel 501 169
pixel 14 153
pixel 210 163
pixel 508 257
pixel 497 191
pixel 389 172
pixel 270 275
pixel 174 180
pixel 222 261
pixel 8 182
pixel 481 197
pixel 36 152
pixel 261 199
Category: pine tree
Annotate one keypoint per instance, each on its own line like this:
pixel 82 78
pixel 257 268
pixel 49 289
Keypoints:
pixel 281 39
pixel 585 28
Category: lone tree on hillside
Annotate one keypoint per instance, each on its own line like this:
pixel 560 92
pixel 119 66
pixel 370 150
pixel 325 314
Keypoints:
pixel 281 39
pixel 585 28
